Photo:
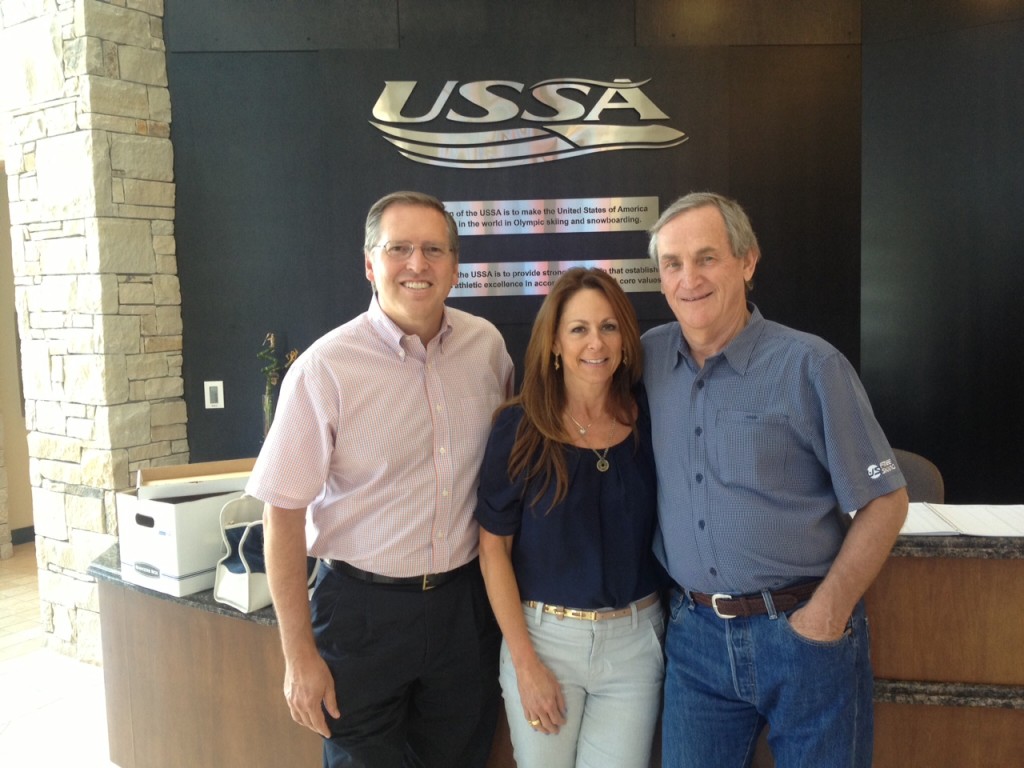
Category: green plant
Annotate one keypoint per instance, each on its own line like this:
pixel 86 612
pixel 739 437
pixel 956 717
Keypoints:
pixel 272 370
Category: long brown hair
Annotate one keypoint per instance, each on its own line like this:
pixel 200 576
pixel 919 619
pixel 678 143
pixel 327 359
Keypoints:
pixel 537 451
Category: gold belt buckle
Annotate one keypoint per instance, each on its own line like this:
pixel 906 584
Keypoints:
pixel 426 582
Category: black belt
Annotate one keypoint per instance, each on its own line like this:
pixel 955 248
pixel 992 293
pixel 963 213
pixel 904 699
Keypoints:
pixel 729 607
pixel 415 583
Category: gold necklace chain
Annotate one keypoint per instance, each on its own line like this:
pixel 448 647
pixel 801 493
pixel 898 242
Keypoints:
pixel 583 430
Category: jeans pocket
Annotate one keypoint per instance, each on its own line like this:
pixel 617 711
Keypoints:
pixel 839 641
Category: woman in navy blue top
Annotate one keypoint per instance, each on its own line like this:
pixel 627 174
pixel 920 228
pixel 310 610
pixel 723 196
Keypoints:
pixel 566 508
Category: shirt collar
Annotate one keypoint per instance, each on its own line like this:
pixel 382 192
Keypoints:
pixel 738 351
pixel 394 336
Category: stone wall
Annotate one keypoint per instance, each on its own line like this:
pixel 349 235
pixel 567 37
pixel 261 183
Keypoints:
pixel 90 178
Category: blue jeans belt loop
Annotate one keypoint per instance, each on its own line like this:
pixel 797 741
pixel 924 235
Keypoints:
pixel 770 602
pixel 561 612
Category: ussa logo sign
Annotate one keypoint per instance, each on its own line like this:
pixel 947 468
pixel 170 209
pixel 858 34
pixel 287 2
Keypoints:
pixel 551 120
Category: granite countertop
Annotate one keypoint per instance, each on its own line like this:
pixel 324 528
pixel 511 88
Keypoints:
pixel 107 567
pixel 950 694
pixel 960 547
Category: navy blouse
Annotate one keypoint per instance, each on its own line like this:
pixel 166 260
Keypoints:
pixel 592 550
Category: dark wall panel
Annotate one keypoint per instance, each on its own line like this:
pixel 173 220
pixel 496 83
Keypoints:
pixel 277 163
pixel 942 232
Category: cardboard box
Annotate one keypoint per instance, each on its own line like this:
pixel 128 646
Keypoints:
pixel 169 526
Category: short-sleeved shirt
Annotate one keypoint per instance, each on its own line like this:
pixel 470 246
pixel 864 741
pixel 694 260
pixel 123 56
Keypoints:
pixel 594 548
pixel 759 454
pixel 381 439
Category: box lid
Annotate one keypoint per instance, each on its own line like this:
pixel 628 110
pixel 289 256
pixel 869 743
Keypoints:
pixel 201 478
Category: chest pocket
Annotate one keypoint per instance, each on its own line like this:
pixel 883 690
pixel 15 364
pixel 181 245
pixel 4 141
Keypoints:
pixel 752 449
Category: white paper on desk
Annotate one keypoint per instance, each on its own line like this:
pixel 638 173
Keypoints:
pixel 983 519
pixel 922 520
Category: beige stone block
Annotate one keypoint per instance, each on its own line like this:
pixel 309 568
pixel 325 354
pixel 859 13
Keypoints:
pixel 152 7
pixel 74 175
pixel 137 390
pixel 84 513
pixel 48 416
pixel 94 294
pixel 147 316
pixel 149 366
pixel 46 320
pixel 54 447
pixel 96 379
pixel 168 320
pixel 122 426
pixel 171 412
pixel 105 469
pixel 37 374
pixel 61 118
pixel 81 429
pixel 110 96
pixel 28 188
pixel 97 121
pixel 161 344
pixel 171 386
pixel 159 104
pixel 164 244
pixel 120 333
pixel 55 475
pixel 138 192
pixel 142 157
pixel 163 228
pixel 126 211
pixel 66 255
pixel 48 514
pixel 173 432
pixel 31 60
pixel 119 246
pixel 110 22
pixel 167 289
pixel 166 264
pixel 135 293
pixel 83 55
pixel 149 452
pixel 142 65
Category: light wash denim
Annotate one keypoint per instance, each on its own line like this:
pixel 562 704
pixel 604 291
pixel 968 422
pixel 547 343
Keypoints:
pixel 611 674
pixel 727 678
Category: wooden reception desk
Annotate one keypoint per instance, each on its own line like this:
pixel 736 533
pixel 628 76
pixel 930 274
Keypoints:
pixel 191 682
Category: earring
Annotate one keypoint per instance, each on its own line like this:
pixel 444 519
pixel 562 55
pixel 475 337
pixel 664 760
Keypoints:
pixel 557 364
pixel 625 359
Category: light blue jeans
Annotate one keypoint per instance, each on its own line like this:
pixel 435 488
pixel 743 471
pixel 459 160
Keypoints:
pixel 611 674
pixel 727 678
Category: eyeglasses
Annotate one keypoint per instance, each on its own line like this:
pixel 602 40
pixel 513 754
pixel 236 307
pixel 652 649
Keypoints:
pixel 399 251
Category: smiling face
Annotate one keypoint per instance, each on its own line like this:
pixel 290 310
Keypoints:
pixel 412 289
pixel 589 339
pixel 703 281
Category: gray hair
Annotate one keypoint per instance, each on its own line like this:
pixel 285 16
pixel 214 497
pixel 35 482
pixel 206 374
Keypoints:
pixel 737 226
pixel 407 198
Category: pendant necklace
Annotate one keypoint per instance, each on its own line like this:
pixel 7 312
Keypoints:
pixel 583 430
pixel 602 461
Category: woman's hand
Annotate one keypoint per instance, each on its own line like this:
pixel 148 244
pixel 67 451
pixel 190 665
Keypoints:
pixel 541 696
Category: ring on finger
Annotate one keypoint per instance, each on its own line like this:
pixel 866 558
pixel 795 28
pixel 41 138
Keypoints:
pixel 534 723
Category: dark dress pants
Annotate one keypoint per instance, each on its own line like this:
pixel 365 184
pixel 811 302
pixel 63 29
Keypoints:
pixel 415 672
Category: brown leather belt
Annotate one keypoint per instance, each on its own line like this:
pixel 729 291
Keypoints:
pixel 415 583
pixel 729 607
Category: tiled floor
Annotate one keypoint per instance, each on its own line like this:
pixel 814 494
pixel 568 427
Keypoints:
pixel 52 710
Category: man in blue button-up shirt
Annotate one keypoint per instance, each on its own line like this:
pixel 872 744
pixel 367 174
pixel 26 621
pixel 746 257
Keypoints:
pixel 764 440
